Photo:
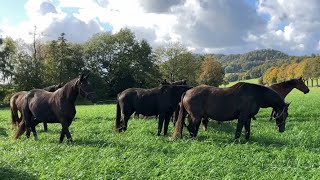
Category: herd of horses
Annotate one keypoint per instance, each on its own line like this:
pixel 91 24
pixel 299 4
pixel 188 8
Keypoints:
pixel 175 100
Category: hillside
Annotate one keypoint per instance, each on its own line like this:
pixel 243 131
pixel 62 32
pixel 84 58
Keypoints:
pixel 252 64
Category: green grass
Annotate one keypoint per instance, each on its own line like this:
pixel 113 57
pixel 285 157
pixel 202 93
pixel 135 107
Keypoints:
pixel 99 153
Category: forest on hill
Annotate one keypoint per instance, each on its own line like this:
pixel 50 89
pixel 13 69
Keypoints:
pixel 252 64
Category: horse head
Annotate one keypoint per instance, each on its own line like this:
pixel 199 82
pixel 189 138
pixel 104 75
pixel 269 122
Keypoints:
pixel 302 86
pixel 281 115
pixel 85 88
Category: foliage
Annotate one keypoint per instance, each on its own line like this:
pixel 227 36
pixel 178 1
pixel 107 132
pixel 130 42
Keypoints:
pixel 7 52
pixel 121 60
pixel 211 72
pixel 308 68
pixel 177 63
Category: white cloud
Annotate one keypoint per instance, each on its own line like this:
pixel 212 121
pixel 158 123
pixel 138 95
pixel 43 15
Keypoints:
pixel 203 26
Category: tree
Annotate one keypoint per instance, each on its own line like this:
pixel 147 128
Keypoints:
pixel 211 72
pixel 7 55
pixel 177 63
pixel 121 61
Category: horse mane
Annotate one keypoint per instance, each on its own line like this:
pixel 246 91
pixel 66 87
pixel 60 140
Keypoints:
pixel 285 84
pixel 65 91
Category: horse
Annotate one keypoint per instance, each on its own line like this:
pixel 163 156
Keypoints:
pixel 160 101
pixel 241 101
pixel 54 107
pixel 17 100
pixel 284 88
pixel 162 83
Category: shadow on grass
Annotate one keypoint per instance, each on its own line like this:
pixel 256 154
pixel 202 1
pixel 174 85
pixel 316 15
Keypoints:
pixel 3 132
pixel 8 173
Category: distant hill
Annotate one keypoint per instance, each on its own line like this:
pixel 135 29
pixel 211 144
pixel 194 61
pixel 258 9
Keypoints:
pixel 252 64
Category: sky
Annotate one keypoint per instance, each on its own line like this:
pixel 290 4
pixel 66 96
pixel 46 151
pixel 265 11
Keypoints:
pixel 203 26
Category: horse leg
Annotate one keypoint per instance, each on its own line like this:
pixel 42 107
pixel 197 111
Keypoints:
pixel 197 123
pixel 166 123
pixel 240 124
pixel 34 132
pixel 160 123
pixel 28 131
pixel 247 128
pixel 65 132
pixel 126 118
pixel 205 122
pixel 45 126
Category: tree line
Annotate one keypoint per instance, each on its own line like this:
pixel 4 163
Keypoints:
pixel 115 62
pixel 308 68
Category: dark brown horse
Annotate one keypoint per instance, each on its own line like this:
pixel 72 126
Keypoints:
pixel 54 107
pixel 161 101
pixel 16 102
pixel 241 101
pixel 284 88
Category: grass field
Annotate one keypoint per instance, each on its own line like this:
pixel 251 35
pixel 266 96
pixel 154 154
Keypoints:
pixel 99 153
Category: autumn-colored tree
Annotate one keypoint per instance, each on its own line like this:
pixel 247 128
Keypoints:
pixel 211 72
pixel 270 76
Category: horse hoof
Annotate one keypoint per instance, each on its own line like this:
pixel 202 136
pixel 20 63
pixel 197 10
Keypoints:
pixel 36 138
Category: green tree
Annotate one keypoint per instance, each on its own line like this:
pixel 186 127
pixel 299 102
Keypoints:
pixel 121 61
pixel 7 54
pixel 177 63
pixel 211 72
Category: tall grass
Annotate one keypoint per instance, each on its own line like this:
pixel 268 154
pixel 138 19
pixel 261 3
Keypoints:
pixel 98 152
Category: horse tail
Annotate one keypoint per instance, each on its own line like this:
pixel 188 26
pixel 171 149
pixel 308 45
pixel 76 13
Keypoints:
pixel 118 116
pixel 179 124
pixel 14 113
pixel 26 114
pixel 21 129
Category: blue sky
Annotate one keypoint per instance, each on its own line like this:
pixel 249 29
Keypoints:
pixel 13 10
pixel 205 26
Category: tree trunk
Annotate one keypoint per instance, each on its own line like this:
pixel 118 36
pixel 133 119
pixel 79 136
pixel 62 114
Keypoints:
pixel 311 82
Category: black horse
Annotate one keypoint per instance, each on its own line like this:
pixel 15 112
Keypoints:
pixel 161 101
pixel 241 101
pixel 16 102
pixel 54 107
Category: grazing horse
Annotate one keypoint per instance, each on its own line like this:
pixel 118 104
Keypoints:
pixel 161 101
pixel 16 102
pixel 241 101
pixel 284 88
pixel 54 107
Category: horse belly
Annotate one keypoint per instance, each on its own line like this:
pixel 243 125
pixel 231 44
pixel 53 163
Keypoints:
pixel 223 113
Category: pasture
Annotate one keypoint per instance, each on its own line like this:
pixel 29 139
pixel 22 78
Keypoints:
pixel 98 152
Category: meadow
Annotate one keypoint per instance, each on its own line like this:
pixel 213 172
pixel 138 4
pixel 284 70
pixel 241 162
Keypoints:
pixel 98 152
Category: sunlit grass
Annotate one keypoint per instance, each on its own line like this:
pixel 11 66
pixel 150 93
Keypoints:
pixel 98 152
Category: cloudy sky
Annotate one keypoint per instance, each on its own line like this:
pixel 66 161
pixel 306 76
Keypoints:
pixel 204 26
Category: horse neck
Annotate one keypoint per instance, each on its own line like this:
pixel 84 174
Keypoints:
pixel 282 89
pixel 70 91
